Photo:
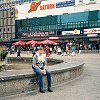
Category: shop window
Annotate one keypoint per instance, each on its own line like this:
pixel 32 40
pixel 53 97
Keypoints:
pixel 0 30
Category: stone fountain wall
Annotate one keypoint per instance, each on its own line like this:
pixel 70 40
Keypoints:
pixel 21 83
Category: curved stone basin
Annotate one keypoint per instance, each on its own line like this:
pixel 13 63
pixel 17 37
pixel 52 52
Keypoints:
pixel 25 80
pixel 18 63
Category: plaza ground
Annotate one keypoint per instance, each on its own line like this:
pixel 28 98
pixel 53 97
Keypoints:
pixel 85 87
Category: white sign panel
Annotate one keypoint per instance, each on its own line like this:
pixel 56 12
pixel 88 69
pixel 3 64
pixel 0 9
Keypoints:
pixel 70 32
pixel 45 8
pixel 92 31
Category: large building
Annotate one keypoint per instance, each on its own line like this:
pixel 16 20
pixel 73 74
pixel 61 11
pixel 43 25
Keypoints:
pixel 66 20
pixel 8 15
pixel 60 25
pixel 63 19
pixel 7 22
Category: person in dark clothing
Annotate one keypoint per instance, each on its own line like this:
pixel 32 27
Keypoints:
pixel 4 54
pixel 18 52
pixel 34 50
pixel 63 48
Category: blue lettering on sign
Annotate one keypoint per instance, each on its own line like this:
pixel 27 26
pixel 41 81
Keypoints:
pixel 65 3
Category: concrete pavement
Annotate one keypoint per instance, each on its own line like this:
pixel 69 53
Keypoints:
pixel 86 87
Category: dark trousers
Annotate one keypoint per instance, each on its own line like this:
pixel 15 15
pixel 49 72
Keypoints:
pixel 40 78
pixel 18 54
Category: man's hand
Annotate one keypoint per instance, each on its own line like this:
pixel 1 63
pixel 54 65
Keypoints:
pixel 43 71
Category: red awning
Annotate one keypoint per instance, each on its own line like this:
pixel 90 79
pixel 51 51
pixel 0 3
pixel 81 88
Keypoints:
pixel 32 42
pixel 47 42
pixel 57 40
pixel 19 43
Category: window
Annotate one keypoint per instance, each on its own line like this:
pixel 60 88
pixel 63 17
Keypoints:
pixel 92 0
pixel 70 25
pixel 82 24
pixel 98 22
pixel 80 1
pixel 0 30
pixel 78 24
pixel 86 24
pixel 12 13
pixel 51 27
pixel 30 0
pixel 74 25
pixel 8 29
pixel 4 29
pixel 92 23
pixel 7 36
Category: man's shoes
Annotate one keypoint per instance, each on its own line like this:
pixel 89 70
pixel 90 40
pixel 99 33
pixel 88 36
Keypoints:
pixel 42 91
pixel 50 90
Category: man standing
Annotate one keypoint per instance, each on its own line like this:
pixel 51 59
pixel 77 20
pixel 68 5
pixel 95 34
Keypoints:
pixel 39 63
pixel 18 52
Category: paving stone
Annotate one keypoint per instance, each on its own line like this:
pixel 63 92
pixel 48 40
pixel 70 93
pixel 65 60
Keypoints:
pixel 86 87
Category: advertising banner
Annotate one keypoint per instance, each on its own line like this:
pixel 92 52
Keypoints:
pixel 37 34
pixel 92 31
pixel 71 32
pixel 45 8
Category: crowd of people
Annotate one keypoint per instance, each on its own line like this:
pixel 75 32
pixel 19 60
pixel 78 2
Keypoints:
pixel 64 49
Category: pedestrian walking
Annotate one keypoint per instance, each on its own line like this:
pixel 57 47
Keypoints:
pixel 47 51
pixel 73 51
pixel 59 50
pixel 67 50
pixel 18 52
pixel 50 50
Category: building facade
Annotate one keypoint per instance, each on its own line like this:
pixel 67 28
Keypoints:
pixel 8 15
pixel 55 25
pixel 64 19
pixel 49 17
pixel 7 24
pixel 7 20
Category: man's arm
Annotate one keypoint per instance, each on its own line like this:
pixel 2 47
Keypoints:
pixel 34 62
pixel 45 63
